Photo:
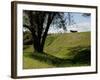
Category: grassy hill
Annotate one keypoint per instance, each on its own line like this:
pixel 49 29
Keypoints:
pixel 73 46
pixel 60 45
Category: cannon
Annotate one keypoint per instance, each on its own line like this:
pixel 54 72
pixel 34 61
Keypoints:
pixel 73 31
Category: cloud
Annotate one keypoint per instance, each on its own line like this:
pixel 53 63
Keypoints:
pixel 80 27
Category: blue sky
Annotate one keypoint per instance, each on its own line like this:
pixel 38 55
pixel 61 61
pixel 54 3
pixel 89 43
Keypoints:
pixel 83 24
pixel 81 19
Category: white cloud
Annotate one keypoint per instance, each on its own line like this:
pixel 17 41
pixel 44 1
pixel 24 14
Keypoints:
pixel 80 27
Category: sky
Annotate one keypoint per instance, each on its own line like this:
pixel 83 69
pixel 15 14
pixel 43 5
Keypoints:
pixel 83 24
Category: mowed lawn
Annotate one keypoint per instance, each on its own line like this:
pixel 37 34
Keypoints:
pixel 62 46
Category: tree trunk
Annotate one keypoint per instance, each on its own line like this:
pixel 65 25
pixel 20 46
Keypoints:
pixel 40 41
pixel 38 34
pixel 37 44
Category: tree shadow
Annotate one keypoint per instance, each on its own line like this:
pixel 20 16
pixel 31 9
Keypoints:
pixel 81 54
pixel 49 59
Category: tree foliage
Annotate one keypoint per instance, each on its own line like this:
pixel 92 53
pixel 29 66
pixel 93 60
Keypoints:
pixel 86 14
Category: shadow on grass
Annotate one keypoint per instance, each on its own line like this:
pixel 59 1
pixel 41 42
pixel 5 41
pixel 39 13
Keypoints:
pixel 49 59
pixel 80 55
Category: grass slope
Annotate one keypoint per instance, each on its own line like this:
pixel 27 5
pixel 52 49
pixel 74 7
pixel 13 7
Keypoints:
pixel 62 46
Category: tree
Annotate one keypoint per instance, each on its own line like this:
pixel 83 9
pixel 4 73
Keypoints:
pixel 86 14
pixel 39 22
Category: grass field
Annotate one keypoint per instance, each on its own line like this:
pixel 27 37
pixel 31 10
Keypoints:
pixel 62 50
